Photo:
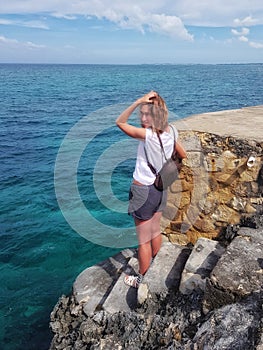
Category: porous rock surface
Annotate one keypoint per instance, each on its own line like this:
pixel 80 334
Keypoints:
pixel 220 182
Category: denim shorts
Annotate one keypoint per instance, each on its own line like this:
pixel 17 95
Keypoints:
pixel 145 201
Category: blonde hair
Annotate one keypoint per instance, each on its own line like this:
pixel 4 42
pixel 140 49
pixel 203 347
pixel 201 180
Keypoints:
pixel 159 113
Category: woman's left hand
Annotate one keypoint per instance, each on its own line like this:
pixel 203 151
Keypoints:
pixel 148 98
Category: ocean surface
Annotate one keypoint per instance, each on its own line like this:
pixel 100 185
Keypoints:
pixel 66 170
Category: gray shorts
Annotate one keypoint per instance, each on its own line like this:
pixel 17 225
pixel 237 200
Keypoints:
pixel 145 201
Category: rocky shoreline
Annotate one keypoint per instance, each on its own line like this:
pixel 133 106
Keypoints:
pixel 226 315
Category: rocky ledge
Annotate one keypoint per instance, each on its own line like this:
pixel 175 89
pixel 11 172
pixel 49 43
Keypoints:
pixel 204 288
pixel 208 296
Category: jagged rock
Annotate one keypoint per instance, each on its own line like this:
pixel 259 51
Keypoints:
pixel 233 326
pixel 122 297
pixel 168 319
pixel 238 272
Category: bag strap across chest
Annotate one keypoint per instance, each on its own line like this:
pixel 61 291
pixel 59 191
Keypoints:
pixel 154 171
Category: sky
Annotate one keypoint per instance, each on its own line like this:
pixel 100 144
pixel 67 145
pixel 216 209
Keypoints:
pixel 131 31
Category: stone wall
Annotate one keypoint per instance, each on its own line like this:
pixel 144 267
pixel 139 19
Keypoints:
pixel 220 182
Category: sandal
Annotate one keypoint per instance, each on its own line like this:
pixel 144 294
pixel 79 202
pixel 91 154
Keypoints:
pixel 133 281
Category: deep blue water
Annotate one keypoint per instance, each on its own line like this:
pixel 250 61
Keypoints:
pixel 40 105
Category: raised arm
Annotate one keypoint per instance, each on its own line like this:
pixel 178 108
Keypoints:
pixel 122 120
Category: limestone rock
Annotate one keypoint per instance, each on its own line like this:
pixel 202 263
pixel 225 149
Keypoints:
pixel 239 272
pixel 167 319
pixel 94 284
pixel 216 183
pixel 232 327
pixel 200 263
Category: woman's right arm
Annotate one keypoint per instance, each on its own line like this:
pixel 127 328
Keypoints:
pixel 122 120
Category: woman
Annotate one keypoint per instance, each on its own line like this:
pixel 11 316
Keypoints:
pixel 146 203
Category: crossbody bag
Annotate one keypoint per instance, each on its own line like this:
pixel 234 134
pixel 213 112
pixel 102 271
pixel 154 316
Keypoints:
pixel 170 169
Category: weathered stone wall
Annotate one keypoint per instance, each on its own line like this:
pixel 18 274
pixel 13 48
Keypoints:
pixel 220 182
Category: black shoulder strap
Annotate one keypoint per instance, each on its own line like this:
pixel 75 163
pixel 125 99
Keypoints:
pixel 174 150
pixel 161 144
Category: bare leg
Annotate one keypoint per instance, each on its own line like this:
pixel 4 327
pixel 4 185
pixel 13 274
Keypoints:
pixel 144 257
pixel 156 234
pixel 150 240
pixel 143 229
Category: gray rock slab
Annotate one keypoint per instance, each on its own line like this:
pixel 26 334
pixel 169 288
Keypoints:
pixel 255 234
pixel 238 273
pixel 236 123
pixel 240 269
pixel 233 326
pixel 201 262
pixel 165 271
pixel 93 281
pixel 93 285
pixel 122 297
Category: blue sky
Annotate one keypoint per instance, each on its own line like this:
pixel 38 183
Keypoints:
pixel 131 32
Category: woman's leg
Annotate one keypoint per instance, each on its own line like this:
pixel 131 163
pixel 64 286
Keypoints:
pixel 150 240
pixel 143 230
pixel 156 239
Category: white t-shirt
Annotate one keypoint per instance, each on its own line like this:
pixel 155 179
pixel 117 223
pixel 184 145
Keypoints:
pixel 142 172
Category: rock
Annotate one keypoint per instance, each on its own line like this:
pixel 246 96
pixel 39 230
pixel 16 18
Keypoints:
pixel 200 263
pixel 217 184
pixel 238 272
pixel 164 318
pixel 233 326
pixel 165 272
pixel 94 284
pixel 143 293
pixel 122 297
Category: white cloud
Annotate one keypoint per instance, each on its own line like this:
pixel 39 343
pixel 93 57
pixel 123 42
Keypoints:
pixel 35 24
pixel 5 40
pixel 243 38
pixel 30 24
pixel 169 25
pixel 165 16
pixel 31 45
pixel 60 15
pixel 256 45
pixel 244 31
pixel 186 7
pixel 218 13
pixel 163 24
pixel 5 21
pixel 247 21
pixel 13 43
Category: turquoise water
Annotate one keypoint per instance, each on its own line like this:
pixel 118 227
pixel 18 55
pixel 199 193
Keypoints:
pixel 41 254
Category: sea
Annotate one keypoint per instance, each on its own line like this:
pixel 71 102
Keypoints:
pixel 65 171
